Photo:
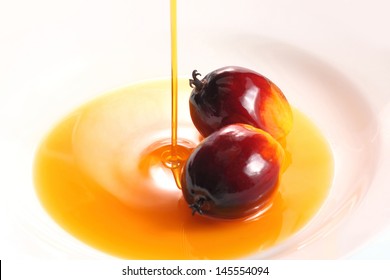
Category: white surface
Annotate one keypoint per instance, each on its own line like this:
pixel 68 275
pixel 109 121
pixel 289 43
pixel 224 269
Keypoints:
pixel 332 59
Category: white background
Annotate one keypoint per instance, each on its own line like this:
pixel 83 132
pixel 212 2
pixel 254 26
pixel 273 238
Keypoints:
pixel 55 55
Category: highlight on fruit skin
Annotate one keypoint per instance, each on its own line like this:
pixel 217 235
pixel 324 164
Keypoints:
pixel 235 94
pixel 233 173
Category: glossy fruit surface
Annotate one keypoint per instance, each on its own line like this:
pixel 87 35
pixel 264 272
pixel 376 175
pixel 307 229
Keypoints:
pixel 233 173
pixel 234 94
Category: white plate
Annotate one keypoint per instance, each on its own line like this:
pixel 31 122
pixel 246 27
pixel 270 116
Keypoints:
pixel 331 58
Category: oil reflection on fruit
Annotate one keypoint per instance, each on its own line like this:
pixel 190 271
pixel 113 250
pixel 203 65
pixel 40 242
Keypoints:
pixel 233 173
pixel 235 94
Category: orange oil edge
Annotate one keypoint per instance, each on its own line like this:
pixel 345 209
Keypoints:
pixel 38 151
